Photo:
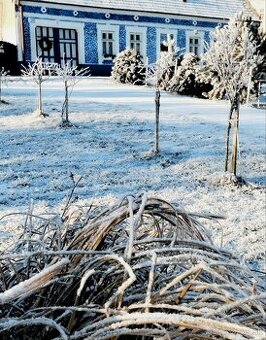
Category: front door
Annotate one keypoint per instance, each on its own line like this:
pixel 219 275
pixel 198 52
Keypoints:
pixel 57 45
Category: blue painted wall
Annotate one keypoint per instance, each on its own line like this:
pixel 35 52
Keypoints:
pixel 151 44
pixel 91 49
pixel 181 40
pixel 27 42
pixel 122 38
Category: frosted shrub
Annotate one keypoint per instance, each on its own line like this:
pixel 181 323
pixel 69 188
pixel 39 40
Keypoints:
pixel 128 68
pixel 184 80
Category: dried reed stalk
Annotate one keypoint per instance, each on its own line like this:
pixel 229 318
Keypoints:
pixel 139 268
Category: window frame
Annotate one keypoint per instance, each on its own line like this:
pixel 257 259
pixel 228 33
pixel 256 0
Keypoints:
pixel 166 31
pixel 195 34
pixel 62 41
pixel 113 29
pixel 142 31
pixel 107 44
pixel 134 43
pixel 79 27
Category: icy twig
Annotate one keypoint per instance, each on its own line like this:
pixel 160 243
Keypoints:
pixel 151 281
pixel 30 286
pixel 11 323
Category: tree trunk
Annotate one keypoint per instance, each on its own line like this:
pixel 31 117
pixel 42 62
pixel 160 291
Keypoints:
pixel 66 102
pixel 229 125
pixel 157 112
pixel 235 137
pixel 40 100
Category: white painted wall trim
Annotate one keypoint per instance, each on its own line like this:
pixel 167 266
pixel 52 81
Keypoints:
pixel 19 36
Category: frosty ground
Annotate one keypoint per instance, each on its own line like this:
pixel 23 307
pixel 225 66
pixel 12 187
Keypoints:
pixel 110 147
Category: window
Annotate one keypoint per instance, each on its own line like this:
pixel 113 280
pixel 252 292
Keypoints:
pixel 136 42
pixel 164 38
pixel 57 44
pixel 194 45
pixel 108 44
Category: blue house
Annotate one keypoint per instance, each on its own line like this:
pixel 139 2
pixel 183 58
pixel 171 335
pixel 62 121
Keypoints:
pixel 92 33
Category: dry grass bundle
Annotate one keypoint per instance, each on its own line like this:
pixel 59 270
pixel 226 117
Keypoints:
pixel 141 268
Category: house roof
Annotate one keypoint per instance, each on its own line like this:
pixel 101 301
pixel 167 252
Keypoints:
pixel 220 9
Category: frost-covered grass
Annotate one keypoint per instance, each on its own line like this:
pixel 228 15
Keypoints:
pixel 111 150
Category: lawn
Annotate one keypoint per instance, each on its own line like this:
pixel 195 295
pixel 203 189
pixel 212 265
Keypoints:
pixel 111 149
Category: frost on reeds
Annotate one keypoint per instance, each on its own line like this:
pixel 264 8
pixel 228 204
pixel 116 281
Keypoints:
pixel 141 268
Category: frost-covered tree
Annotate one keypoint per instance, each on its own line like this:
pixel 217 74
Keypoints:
pixel 128 68
pixel 231 61
pixel 3 80
pixel 71 75
pixel 168 63
pixel 240 24
pixel 37 72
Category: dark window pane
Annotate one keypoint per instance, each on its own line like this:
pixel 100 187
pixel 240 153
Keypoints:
pixel 110 48
pixel 104 47
pixel 164 48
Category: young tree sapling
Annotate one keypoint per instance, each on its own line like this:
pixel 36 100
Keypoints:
pixel 70 76
pixel 154 73
pixel 159 74
pixel 37 72
pixel 233 57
